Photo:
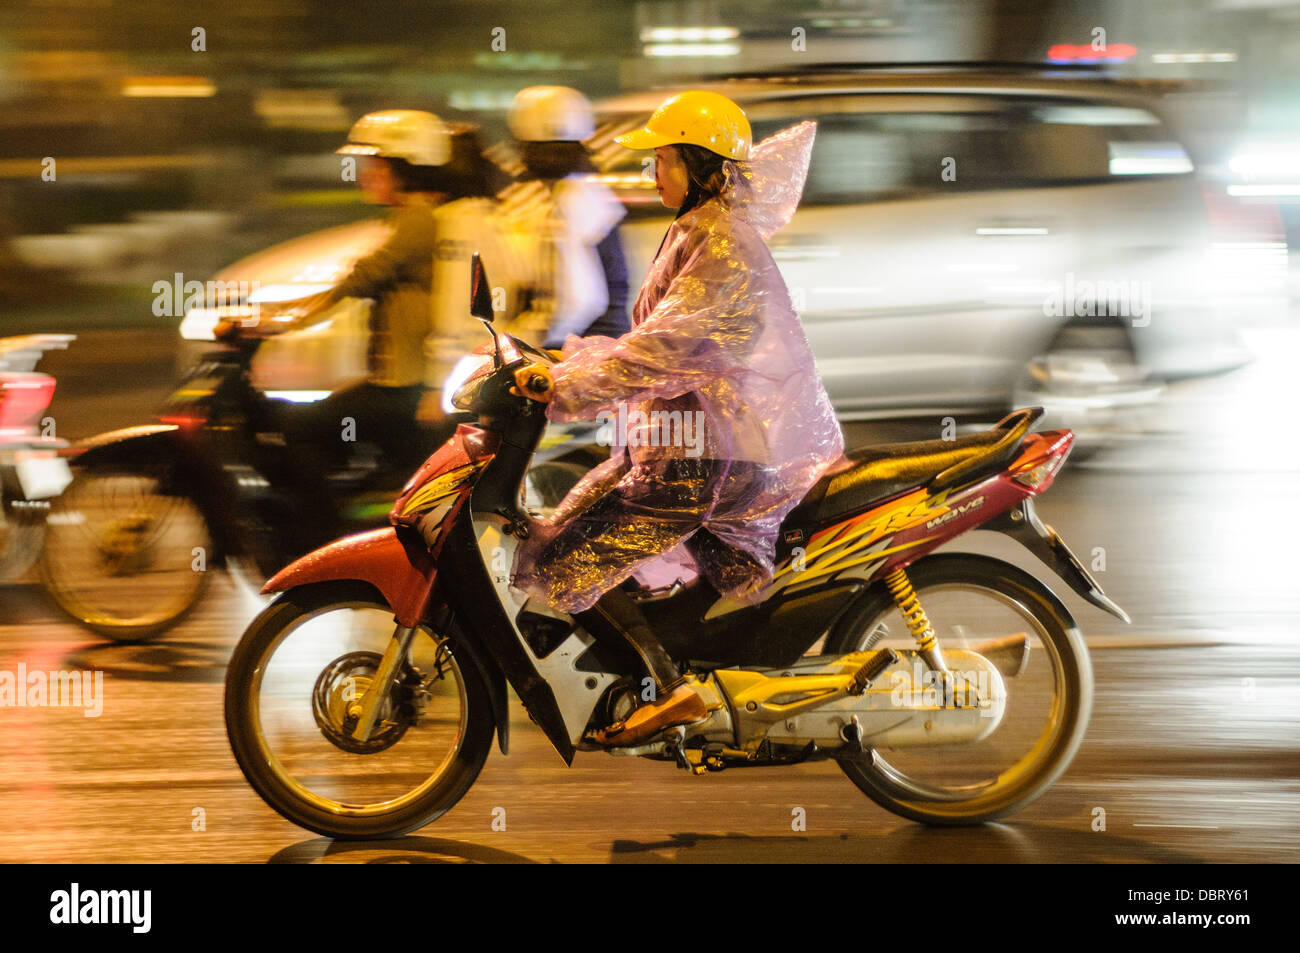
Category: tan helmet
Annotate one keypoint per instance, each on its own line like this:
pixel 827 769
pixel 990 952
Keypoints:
pixel 420 138
pixel 698 118
pixel 551 114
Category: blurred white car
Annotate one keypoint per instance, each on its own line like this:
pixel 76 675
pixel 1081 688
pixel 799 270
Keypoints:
pixel 968 241
pixel 971 240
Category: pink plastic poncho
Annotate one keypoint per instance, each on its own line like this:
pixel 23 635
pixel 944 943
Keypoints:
pixel 715 395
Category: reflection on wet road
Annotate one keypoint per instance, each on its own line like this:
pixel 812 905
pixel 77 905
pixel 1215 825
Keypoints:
pixel 1192 752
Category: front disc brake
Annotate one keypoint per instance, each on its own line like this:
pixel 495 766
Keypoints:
pixel 336 704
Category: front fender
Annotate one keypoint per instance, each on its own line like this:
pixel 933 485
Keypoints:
pixel 400 568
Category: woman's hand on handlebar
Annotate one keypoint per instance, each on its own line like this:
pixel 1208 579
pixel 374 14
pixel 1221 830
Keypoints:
pixel 533 381
pixel 231 330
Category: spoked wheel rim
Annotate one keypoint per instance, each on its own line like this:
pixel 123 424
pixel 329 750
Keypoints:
pixel 418 738
pixel 115 544
pixel 1023 745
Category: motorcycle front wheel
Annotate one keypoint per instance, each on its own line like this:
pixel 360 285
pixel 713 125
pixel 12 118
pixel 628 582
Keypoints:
pixel 124 555
pixel 21 533
pixel 294 688
pixel 980 604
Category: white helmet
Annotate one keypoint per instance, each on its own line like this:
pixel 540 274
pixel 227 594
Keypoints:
pixel 420 138
pixel 551 114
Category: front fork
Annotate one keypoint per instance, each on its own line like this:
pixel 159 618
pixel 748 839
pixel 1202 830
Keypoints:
pixel 373 700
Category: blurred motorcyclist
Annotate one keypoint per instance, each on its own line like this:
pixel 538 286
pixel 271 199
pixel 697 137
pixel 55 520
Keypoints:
pixel 433 176
pixel 716 340
pixel 566 218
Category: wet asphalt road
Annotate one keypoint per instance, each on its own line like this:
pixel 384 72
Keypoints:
pixel 1193 752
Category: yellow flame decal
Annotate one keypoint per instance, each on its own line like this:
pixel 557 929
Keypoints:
pixel 432 493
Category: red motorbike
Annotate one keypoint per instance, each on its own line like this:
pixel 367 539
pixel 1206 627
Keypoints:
pixel 31 470
pixel 950 688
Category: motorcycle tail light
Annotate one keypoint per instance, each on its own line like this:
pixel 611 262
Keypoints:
pixel 22 398
pixel 1039 476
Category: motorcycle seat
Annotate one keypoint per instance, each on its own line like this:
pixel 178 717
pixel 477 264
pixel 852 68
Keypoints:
pixel 872 474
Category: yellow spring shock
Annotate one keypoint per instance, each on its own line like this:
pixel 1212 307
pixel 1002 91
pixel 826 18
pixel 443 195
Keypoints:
pixel 918 623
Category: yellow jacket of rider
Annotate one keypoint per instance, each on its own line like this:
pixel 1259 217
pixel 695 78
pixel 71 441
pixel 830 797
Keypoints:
pixel 397 276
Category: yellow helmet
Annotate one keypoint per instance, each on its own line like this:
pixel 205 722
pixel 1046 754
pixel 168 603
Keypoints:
pixel 421 138
pixel 551 114
pixel 698 118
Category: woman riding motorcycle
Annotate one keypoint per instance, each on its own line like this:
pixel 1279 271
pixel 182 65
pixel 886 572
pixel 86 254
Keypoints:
pixel 716 342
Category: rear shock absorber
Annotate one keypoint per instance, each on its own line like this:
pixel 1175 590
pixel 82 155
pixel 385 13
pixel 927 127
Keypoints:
pixel 918 623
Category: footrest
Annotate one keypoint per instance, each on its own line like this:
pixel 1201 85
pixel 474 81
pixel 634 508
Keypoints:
pixel 871 670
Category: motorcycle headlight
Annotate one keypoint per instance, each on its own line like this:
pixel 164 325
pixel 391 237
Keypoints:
pixel 463 383
pixel 199 324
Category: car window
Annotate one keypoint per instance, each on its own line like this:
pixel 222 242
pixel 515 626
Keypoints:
pixel 879 156
pixel 877 152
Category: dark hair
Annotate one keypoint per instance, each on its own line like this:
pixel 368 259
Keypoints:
pixel 554 160
pixel 467 173
pixel 706 173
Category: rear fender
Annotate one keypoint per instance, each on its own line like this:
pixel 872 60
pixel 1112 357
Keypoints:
pixel 108 445
pixel 1022 524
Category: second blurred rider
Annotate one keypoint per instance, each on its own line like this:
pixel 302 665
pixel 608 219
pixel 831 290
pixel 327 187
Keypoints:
pixel 566 220
pixel 433 176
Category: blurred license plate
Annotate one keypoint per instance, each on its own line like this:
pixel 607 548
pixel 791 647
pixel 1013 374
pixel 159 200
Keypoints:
pixel 42 475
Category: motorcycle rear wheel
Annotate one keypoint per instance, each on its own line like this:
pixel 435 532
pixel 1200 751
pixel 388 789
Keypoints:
pixel 124 558
pixel 971 600
pixel 290 679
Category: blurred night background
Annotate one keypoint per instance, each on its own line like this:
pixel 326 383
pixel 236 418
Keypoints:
pixel 181 151
pixel 146 139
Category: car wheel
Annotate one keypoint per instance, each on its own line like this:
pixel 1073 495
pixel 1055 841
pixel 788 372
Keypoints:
pixel 1089 379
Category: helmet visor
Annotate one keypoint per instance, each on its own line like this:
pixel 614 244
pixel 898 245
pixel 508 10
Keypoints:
pixel 644 139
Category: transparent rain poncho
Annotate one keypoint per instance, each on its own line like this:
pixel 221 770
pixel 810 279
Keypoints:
pixel 718 420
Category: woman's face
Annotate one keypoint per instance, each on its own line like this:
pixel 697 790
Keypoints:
pixel 670 176
pixel 378 181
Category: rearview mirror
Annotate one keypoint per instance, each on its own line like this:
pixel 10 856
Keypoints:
pixel 480 293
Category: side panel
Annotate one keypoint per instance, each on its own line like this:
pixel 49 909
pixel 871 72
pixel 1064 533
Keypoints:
pixel 558 696
pixel 901 530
